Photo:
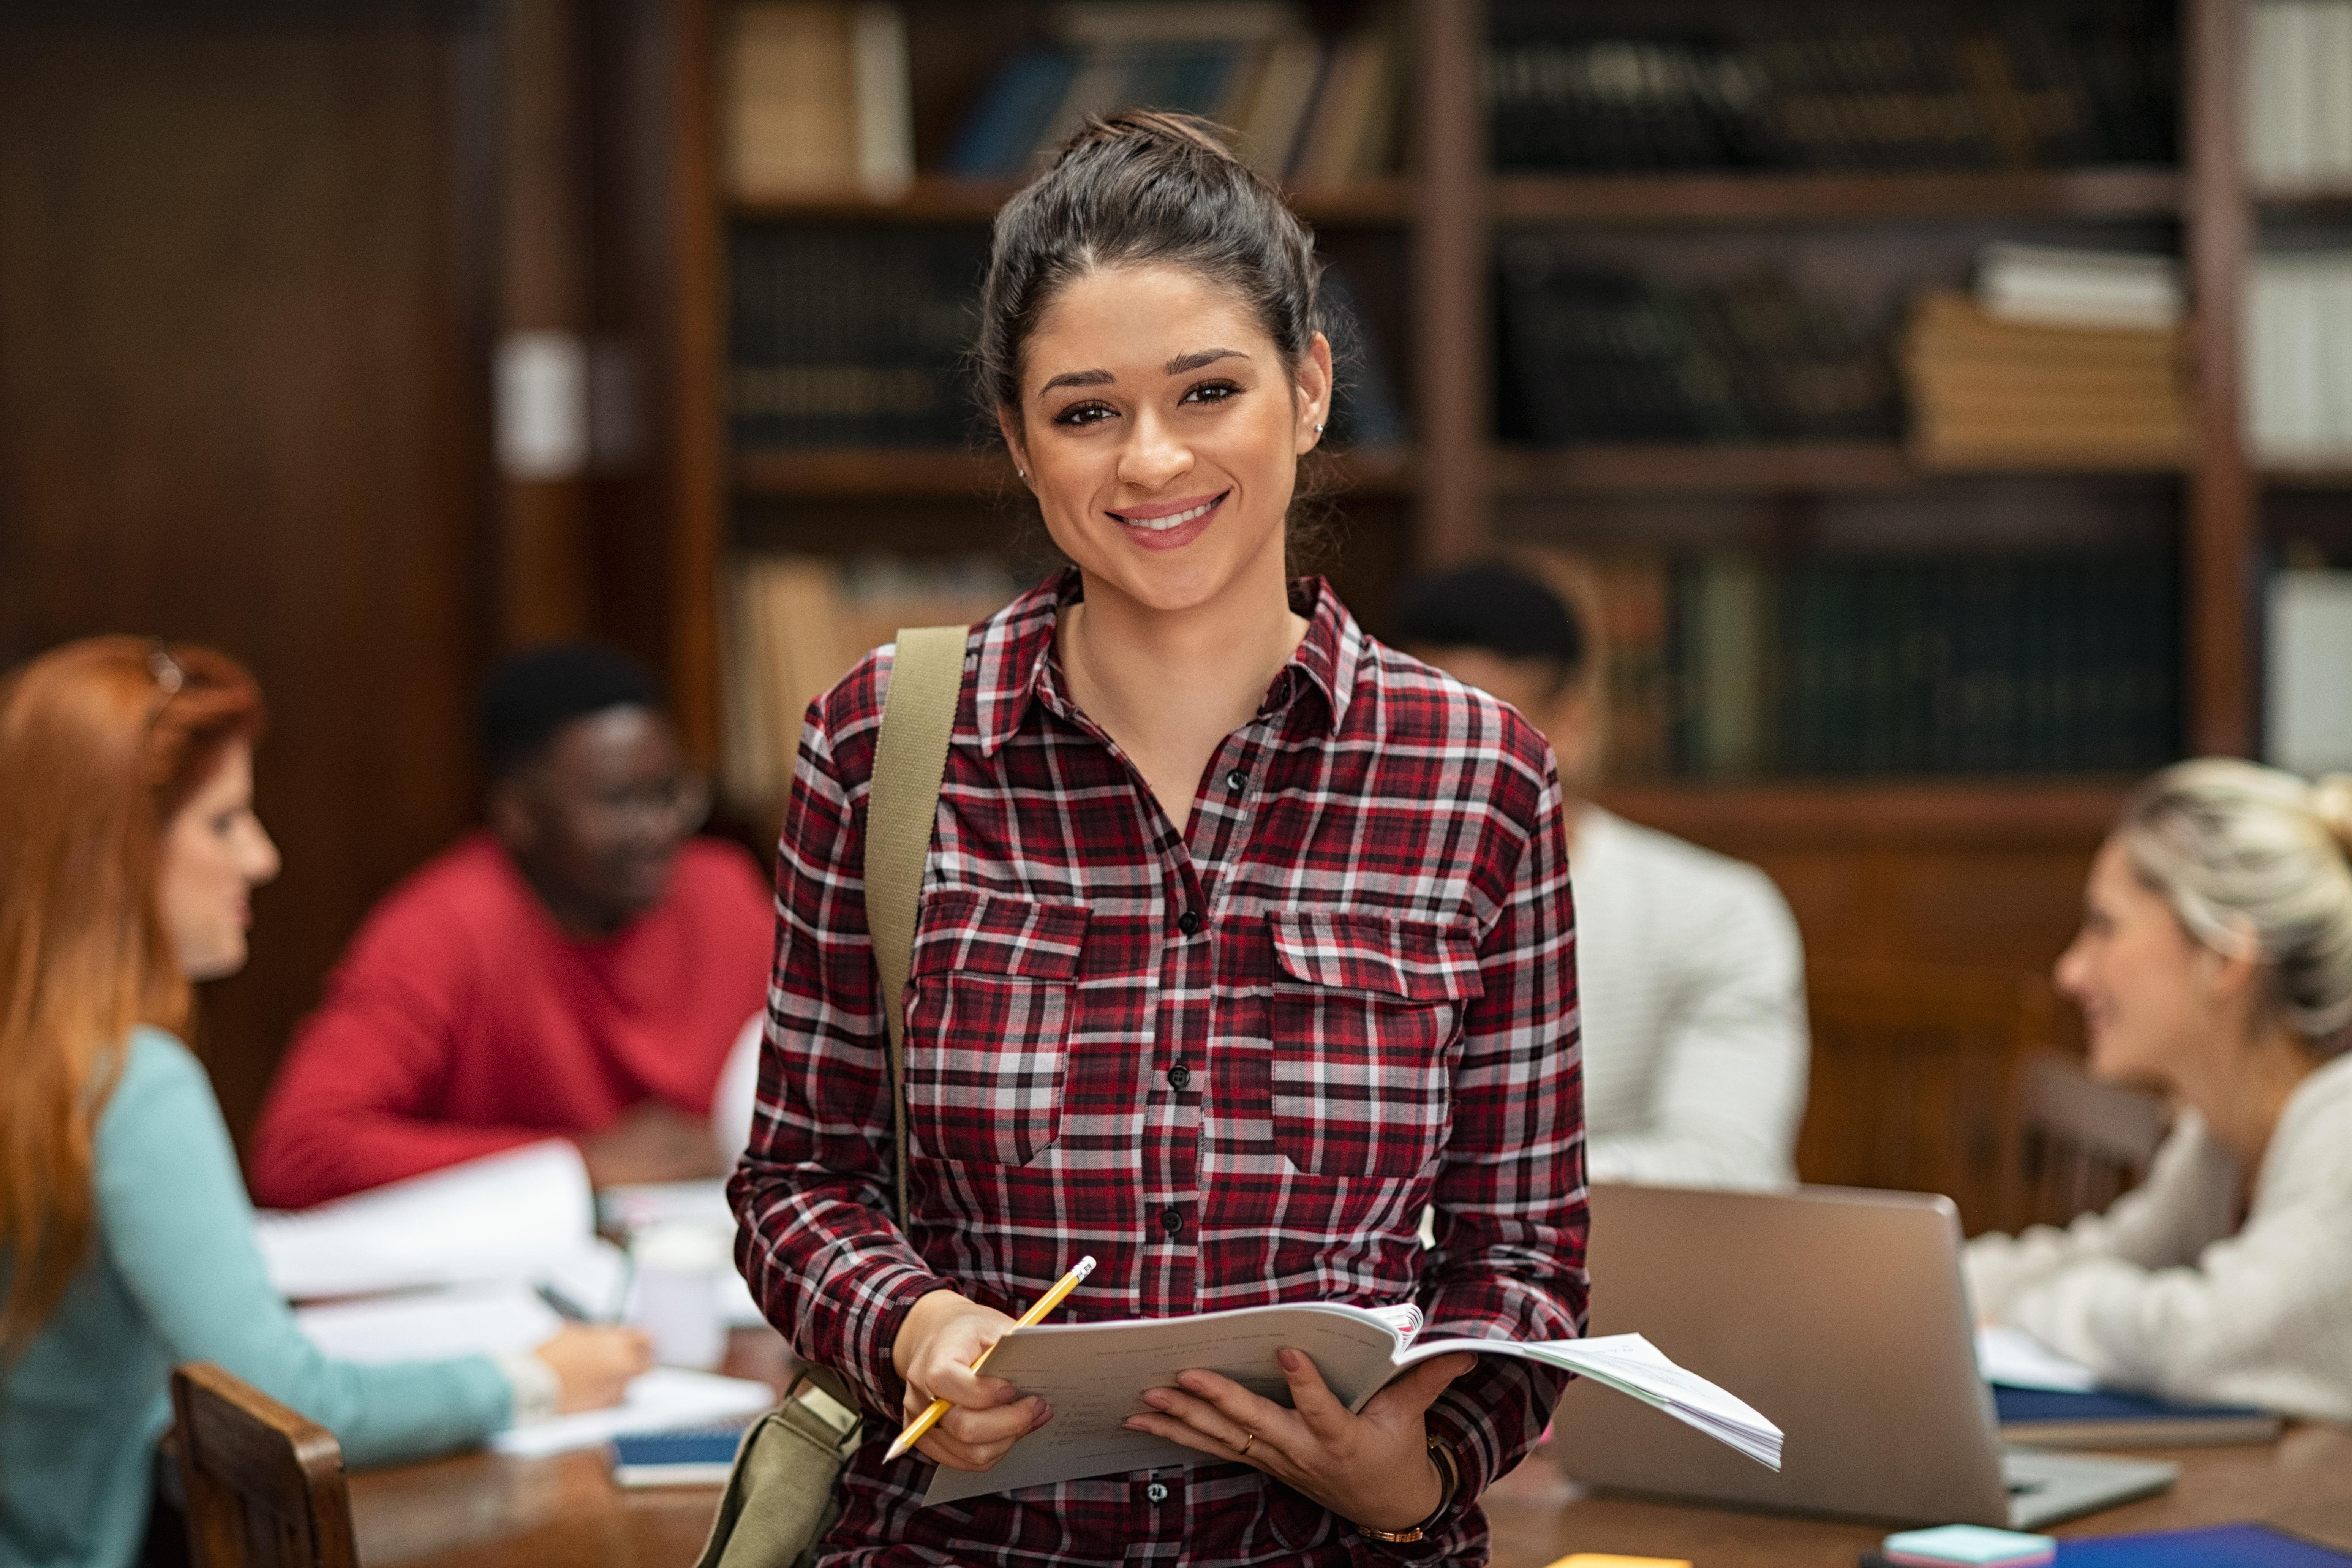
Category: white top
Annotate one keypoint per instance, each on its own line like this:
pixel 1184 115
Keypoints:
pixel 2164 1292
pixel 1691 978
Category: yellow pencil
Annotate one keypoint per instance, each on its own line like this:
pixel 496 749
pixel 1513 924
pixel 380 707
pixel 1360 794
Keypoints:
pixel 1030 1319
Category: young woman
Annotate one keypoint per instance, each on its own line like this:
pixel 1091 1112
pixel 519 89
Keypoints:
pixel 127 848
pixel 2215 962
pixel 1243 939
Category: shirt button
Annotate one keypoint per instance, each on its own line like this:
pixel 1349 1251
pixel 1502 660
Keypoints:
pixel 1156 1491
pixel 1179 1075
pixel 1172 1219
pixel 1237 781
pixel 1188 922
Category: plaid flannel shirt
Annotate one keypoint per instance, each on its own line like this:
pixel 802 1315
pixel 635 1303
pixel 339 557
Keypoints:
pixel 1232 1064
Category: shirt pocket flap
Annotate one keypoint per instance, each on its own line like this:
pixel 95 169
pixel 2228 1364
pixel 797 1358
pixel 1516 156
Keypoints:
pixel 984 933
pixel 1417 960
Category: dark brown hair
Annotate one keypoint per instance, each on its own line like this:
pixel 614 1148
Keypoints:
pixel 101 742
pixel 1149 188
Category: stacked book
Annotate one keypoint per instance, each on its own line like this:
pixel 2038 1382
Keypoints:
pixel 2297 348
pixel 2061 359
pixel 817 100
pixel 2041 85
pixel 1315 112
pixel 1595 353
pixel 795 624
pixel 2299 93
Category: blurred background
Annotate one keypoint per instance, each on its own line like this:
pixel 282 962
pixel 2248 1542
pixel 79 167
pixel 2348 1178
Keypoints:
pixel 1941 409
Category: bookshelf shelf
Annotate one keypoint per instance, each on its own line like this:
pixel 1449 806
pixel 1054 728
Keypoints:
pixel 2336 477
pixel 2314 201
pixel 2120 193
pixel 1980 812
pixel 1373 203
pixel 916 474
pixel 1529 471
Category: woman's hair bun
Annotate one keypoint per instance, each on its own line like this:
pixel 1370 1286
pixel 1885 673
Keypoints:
pixel 2331 802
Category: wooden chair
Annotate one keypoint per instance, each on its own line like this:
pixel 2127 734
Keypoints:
pixel 1914 1075
pixel 265 1485
pixel 2083 1144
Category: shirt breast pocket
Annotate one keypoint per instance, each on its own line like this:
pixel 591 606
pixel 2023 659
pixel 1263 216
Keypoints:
pixel 1365 1017
pixel 988 1025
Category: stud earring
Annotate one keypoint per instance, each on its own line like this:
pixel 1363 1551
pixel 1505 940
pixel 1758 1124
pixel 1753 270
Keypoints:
pixel 1024 474
pixel 1318 430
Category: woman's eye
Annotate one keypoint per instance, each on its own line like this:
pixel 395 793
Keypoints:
pixel 1083 414
pixel 1212 392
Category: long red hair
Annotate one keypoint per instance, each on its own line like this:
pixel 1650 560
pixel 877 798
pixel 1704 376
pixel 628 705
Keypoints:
pixel 101 742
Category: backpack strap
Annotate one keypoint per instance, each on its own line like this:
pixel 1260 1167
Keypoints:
pixel 910 759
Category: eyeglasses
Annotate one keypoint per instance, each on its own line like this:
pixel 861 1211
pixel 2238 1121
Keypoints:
pixel 679 803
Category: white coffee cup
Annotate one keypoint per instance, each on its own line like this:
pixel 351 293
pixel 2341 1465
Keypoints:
pixel 678 1269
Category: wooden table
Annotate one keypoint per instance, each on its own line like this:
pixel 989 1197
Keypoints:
pixel 486 1511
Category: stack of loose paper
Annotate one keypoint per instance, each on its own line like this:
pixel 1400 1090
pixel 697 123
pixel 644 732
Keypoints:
pixel 504 1217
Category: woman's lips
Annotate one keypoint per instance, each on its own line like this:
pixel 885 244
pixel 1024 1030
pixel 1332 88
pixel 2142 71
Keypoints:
pixel 1171 525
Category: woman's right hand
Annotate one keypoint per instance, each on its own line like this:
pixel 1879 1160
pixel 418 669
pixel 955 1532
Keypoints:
pixel 592 1366
pixel 942 1335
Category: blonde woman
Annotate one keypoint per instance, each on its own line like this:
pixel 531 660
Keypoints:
pixel 2215 962
pixel 128 850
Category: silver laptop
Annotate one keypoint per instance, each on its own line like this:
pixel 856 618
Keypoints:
pixel 1841 1314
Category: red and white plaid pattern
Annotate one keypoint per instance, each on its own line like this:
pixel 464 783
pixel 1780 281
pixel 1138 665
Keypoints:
pixel 1232 1065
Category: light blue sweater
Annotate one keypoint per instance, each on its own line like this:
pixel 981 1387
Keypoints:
pixel 174 1276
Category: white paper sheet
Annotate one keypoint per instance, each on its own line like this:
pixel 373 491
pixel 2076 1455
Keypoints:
pixel 431 1325
pixel 506 1216
pixel 664 1398
pixel 2014 1357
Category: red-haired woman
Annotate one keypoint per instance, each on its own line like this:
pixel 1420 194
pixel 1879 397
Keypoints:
pixel 127 848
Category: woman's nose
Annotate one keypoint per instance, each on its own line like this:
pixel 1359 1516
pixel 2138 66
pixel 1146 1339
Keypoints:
pixel 1153 455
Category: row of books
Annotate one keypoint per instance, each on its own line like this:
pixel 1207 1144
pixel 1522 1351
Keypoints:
pixel 817 99
pixel 1311 110
pixel 2297 357
pixel 1596 353
pixel 2299 93
pixel 1730 666
pixel 848 336
pixel 795 624
pixel 2013 87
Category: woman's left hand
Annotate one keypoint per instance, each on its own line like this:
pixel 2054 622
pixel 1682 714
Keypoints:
pixel 1371 1468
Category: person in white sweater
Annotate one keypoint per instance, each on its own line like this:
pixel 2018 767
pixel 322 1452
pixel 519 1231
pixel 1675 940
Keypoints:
pixel 2215 963
pixel 1689 971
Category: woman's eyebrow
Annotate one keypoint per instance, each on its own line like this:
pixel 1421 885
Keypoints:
pixel 1079 378
pixel 1184 362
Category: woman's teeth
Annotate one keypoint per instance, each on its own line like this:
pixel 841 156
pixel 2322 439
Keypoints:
pixel 1174 520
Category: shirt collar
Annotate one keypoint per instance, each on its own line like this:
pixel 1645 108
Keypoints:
pixel 1016 655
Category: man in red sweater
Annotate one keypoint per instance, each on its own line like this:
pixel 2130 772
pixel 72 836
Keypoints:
pixel 578 970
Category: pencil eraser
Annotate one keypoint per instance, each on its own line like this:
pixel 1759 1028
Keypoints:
pixel 1970 1545
pixel 1613 1560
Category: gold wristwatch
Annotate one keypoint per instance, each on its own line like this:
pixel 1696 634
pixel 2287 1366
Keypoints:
pixel 1448 1472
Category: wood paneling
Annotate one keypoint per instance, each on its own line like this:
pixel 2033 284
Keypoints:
pixel 242 400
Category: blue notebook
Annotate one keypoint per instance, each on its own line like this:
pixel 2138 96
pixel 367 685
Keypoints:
pixel 2105 1418
pixel 2223 1546
pixel 690 1456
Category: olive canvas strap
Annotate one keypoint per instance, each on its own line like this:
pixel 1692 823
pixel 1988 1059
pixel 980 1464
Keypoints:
pixel 910 759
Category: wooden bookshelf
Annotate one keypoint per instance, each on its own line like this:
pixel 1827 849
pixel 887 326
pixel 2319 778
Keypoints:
pixel 2121 193
pixel 1446 213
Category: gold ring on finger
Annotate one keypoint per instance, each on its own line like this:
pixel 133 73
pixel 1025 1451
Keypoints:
pixel 1246 1441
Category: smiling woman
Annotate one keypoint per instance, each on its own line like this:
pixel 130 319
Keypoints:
pixel 1242 940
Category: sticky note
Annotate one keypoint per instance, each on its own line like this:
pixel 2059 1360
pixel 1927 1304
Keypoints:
pixel 1613 1560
